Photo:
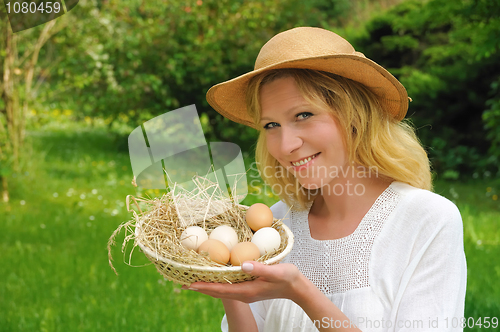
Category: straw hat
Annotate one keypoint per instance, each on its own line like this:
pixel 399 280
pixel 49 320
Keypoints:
pixel 310 48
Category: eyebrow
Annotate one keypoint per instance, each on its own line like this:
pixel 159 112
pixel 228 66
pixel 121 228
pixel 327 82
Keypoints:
pixel 291 110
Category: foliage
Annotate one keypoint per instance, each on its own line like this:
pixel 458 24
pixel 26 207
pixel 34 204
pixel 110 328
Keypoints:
pixel 20 53
pixel 128 61
pixel 446 53
pixel 491 119
pixel 132 60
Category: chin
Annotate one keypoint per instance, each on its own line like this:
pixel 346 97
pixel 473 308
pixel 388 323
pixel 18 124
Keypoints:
pixel 313 184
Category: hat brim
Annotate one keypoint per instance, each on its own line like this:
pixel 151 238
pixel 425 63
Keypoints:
pixel 229 98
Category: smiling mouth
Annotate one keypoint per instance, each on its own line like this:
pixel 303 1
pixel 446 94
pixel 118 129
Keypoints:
pixel 305 160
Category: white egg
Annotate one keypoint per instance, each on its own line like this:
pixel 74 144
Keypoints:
pixel 226 235
pixel 193 237
pixel 267 239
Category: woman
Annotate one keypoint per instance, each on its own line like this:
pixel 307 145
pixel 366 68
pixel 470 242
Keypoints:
pixel 374 250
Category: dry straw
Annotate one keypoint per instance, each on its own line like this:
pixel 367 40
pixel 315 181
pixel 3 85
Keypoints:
pixel 157 229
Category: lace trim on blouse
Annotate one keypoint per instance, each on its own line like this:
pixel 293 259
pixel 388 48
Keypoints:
pixel 339 265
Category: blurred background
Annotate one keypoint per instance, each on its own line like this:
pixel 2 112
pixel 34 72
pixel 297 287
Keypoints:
pixel 74 88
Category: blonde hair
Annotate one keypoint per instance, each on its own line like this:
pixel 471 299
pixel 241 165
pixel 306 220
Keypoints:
pixel 372 137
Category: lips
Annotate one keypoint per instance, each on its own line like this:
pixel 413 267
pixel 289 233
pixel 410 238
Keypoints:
pixel 303 161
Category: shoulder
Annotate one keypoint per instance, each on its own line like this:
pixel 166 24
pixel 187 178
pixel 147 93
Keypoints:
pixel 423 226
pixel 419 204
pixel 421 217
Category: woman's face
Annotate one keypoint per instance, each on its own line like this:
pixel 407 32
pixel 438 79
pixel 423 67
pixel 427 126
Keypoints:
pixel 304 139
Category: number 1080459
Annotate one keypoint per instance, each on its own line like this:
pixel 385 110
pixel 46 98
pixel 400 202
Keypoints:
pixel 32 7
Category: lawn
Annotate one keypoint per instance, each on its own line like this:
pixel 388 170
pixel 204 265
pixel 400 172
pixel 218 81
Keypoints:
pixel 71 197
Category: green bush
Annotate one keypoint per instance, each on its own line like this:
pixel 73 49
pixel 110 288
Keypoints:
pixel 446 53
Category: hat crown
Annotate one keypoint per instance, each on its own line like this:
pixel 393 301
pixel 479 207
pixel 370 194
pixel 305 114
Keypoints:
pixel 300 43
pixel 312 49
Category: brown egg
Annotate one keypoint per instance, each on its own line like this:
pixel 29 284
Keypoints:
pixel 217 251
pixel 259 216
pixel 244 251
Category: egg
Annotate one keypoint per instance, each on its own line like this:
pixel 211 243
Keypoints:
pixel 244 251
pixel 216 250
pixel 258 216
pixel 226 235
pixel 267 239
pixel 192 237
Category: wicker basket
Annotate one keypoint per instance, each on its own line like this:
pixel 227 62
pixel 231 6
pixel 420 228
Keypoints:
pixel 186 274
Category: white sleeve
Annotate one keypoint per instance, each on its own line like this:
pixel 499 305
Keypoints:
pixel 431 294
pixel 223 324
pixel 259 313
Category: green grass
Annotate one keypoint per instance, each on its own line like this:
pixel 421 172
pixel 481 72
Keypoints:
pixel 54 262
pixel 70 198
pixel 479 205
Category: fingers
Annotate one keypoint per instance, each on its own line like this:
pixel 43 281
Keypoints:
pixel 247 267
pixel 269 272
pixel 274 281
pixel 256 268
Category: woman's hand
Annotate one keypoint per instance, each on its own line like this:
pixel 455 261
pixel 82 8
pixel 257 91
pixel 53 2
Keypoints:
pixel 273 281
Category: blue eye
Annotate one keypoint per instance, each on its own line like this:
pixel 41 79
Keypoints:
pixel 270 125
pixel 304 115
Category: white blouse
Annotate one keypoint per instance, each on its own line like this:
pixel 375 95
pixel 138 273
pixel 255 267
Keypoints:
pixel 402 269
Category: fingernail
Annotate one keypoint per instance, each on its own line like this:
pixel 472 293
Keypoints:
pixel 247 267
pixel 191 288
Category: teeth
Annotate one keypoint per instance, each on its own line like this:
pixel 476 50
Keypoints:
pixel 302 162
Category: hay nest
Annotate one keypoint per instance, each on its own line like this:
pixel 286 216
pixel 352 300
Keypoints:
pixel 157 229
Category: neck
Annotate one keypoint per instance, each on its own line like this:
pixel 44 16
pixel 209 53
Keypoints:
pixel 348 198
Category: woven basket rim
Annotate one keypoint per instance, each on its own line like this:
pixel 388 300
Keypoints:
pixel 269 261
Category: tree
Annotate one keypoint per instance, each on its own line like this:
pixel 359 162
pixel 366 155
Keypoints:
pixel 132 60
pixel 20 54
pixel 149 57
pixel 446 53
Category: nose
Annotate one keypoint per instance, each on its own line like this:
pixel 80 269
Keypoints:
pixel 290 140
